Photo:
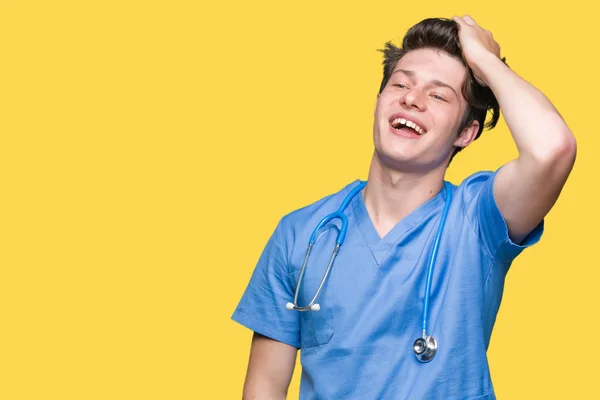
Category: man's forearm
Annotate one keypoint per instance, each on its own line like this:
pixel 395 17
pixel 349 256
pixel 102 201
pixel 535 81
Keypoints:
pixel 263 390
pixel 270 369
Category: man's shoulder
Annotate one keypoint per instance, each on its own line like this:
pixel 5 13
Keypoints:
pixel 477 178
pixel 322 206
pixel 472 185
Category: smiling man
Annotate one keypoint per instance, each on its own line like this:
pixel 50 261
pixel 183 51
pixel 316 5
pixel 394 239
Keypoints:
pixel 409 303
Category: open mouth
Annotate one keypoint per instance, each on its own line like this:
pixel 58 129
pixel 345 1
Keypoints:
pixel 407 126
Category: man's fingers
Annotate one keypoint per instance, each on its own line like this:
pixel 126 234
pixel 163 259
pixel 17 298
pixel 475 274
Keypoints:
pixel 469 20
pixel 465 20
pixel 459 20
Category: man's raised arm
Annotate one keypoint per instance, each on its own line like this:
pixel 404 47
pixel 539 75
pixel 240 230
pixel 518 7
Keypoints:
pixel 526 188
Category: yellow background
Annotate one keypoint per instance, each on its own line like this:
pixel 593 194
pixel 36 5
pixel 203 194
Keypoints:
pixel 148 148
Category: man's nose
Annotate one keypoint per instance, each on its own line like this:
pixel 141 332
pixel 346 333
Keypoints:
pixel 413 99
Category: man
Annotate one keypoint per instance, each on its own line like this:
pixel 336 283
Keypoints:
pixel 435 94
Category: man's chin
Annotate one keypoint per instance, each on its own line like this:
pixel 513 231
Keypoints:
pixel 398 160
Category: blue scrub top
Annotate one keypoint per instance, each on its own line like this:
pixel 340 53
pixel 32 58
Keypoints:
pixel 359 345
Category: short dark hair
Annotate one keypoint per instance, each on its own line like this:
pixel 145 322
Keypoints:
pixel 442 34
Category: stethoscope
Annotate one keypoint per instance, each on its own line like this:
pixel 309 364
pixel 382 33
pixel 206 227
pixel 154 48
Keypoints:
pixel 425 347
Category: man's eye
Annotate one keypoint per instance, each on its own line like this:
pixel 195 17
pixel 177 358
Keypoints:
pixel 400 85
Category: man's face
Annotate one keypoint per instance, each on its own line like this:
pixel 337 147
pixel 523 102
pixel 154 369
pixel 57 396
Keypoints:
pixel 419 111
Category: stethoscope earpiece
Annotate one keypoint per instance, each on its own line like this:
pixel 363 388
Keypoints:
pixel 425 349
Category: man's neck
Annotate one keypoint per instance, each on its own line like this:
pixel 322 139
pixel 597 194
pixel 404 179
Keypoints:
pixel 391 195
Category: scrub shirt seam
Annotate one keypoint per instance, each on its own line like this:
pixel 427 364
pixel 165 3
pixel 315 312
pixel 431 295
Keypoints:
pixel 489 273
pixel 283 254
pixel 479 239
pixel 490 257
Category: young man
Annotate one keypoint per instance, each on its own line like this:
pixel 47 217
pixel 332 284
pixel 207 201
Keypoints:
pixel 408 307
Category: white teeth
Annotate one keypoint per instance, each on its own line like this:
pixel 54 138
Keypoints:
pixel 410 124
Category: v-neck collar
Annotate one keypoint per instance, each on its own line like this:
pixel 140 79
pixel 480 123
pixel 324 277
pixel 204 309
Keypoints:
pixel 381 246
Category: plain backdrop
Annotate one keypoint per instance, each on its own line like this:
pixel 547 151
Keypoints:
pixel 148 149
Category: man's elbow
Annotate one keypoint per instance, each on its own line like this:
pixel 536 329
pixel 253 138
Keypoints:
pixel 564 152
pixel 559 151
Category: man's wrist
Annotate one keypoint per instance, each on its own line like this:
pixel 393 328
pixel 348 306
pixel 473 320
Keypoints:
pixel 487 67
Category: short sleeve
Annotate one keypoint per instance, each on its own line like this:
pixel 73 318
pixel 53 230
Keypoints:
pixel 262 306
pixel 489 224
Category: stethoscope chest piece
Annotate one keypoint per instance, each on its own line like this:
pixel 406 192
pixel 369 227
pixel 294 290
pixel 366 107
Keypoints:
pixel 425 348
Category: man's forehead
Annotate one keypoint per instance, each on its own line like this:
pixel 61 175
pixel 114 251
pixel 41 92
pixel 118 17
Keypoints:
pixel 430 65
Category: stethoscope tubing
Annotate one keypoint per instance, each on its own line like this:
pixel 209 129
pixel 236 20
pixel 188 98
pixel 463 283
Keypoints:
pixel 426 347
pixel 434 254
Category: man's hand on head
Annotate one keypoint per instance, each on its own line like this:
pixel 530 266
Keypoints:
pixel 477 45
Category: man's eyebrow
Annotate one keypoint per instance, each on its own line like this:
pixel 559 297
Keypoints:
pixel 435 82
pixel 405 72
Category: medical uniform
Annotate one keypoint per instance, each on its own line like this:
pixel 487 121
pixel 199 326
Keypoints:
pixel 359 345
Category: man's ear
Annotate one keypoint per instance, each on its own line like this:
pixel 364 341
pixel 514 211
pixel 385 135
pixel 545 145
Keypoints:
pixel 467 135
pixel 376 100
